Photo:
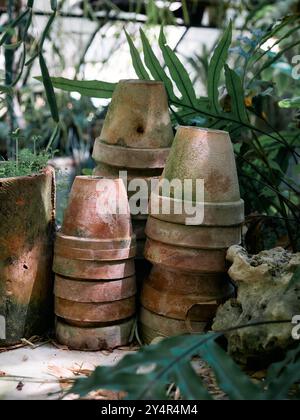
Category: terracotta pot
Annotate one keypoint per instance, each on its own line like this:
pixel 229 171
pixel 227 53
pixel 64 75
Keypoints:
pixel 98 208
pixel 94 292
pixel 208 285
pixel 138 116
pixel 92 339
pixel 199 237
pixel 152 325
pixel 181 306
pixel 200 153
pixel 27 212
pixel 93 270
pixel 88 314
pixel 186 259
pixel 129 157
pixel 215 214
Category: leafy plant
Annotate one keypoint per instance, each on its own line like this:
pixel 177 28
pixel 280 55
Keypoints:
pixel 27 163
pixel 263 153
pixel 146 374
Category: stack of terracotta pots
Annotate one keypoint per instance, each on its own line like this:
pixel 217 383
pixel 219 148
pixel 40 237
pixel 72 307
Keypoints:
pixel 136 138
pixel 95 282
pixel 189 280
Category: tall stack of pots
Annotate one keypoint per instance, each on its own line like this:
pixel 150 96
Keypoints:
pixel 189 278
pixel 136 138
pixel 95 284
pixel 27 227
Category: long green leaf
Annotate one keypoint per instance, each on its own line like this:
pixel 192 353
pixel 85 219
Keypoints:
pixel 90 88
pixel 236 384
pixel 177 72
pixel 155 68
pixel 136 60
pixel 49 89
pixel 236 92
pixel 190 384
pixel 281 376
pixel 216 65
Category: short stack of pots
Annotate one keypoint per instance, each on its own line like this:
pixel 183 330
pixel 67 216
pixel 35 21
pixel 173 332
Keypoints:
pixel 136 138
pixel 189 278
pixel 95 284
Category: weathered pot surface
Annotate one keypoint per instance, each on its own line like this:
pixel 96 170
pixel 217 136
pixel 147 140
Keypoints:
pixel 93 270
pixel 83 313
pixel 198 237
pixel 93 292
pixel 208 285
pixel 130 157
pixel 186 259
pixel 214 214
pixel 94 339
pixel 204 154
pixel 96 255
pixel 138 116
pixel 195 307
pixel 98 208
pixel 152 325
pixel 27 211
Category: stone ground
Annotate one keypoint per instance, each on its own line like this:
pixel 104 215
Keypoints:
pixel 30 373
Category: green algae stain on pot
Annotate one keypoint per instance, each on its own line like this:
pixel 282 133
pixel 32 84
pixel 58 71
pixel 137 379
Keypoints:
pixel 27 210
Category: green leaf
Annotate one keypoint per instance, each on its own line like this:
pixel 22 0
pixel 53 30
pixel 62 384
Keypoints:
pixel 236 384
pixel 216 65
pixel 136 60
pixel 155 68
pixel 178 72
pixel 290 103
pixel 90 88
pixel 236 92
pixel 49 89
pixel 54 4
pixel 281 376
pixel 190 384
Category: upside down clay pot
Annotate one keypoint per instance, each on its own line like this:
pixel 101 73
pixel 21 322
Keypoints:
pixel 105 337
pixel 27 224
pixel 88 314
pixel 152 325
pixel 181 306
pixel 94 292
pixel 98 209
pixel 202 154
pixel 186 259
pixel 199 237
pixel 207 285
pixel 138 116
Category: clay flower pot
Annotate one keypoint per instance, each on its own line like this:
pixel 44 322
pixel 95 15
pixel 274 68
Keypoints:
pixel 181 306
pixel 152 325
pixel 94 314
pixel 96 228
pixel 94 292
pixel 105 337
pixel 204 154
pixel 198 237
pixel 138 116
pixel 207 285
pixel 98 209
pixel 27 225
pixel 190 260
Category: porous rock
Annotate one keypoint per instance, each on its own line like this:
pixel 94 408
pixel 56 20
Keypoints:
pixel 264 294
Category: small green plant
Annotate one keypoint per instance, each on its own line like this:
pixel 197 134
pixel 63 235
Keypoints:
pixel 27 163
